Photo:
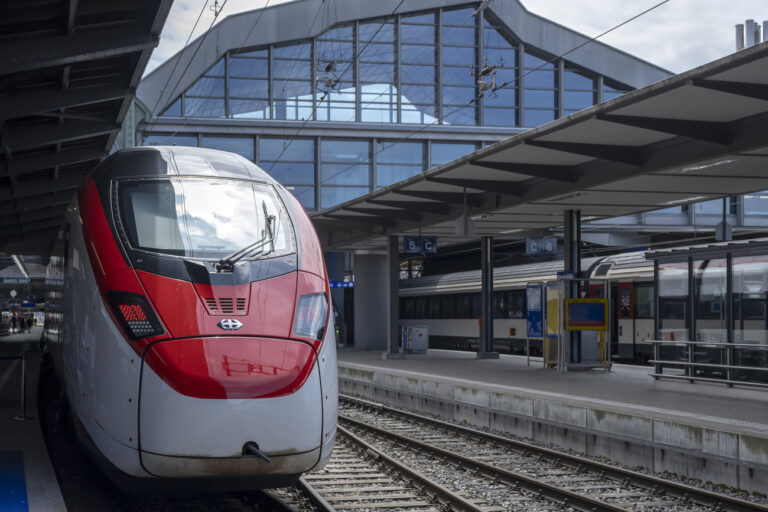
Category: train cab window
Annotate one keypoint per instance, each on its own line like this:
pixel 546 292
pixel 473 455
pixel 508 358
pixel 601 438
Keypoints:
pixel 203 217
pixel 643 300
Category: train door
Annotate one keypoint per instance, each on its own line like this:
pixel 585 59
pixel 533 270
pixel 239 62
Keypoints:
pixel 614 319
pixel 626 321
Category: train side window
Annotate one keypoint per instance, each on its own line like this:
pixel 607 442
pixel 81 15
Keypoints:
pixel 433 307
pixel 420 307
pixel 448 306
pixel 643 300
pixel 499 305
pixel 476 306
pixel 464 305
pixel 407 308
pixel 516 307
pixel 672 308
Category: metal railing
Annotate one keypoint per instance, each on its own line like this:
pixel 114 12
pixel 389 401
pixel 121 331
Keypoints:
pixel 697 360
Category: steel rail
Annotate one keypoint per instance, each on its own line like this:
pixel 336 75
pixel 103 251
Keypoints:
pixel 642 480
pixel 445 496
pixel 552 492
pixel 314 497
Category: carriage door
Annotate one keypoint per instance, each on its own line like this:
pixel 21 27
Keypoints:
pixel 626 321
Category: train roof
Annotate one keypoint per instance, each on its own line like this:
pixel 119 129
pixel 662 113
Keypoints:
pixel 179 160
pixel 503 277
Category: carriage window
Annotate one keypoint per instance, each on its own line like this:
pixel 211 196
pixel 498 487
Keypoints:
pixel 202 217
pixel 516 307
pixel 710 300
pixel 643 300
pixel 673 295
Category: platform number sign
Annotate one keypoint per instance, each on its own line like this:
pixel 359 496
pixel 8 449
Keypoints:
pixel 420 244
pixel 545 245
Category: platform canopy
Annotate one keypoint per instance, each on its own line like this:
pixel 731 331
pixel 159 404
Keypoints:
pixel 696 136
pixel 68 73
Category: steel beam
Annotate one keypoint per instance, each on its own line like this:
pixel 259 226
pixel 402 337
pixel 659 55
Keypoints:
pixel 28 55
pixel 701 130
pixel 32 203
pixel 29 227
pixel 34 215
pixel 27 164
pixel 414 206
pixel 19 105
pixel 36 188
pixel 48 134
pixel 750 90
pixel 386 213
pixel 499 187
pixel 562 173
pixel 444 197
pixel 631 155
pixel 360 219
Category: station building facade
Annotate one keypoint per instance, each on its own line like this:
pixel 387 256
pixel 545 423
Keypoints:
pixel 338 98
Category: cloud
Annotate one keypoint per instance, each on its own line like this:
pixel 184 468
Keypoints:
pixel 679 35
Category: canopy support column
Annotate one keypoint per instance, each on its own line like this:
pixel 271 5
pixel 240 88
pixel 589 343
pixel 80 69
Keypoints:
pixel 572 263
pixel 393 299
pixel 485 350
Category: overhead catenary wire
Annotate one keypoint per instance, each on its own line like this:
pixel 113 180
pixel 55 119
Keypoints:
pixel 325 93
pixel 501 86
pixel 192 58
pixel 239 49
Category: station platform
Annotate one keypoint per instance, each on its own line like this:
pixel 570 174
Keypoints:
pixel 27 478
pixel 717 435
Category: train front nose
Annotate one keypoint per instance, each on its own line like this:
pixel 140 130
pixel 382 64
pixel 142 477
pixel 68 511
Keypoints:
pixel 227 380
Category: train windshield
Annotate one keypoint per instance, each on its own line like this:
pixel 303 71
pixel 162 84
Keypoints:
pixel 205 218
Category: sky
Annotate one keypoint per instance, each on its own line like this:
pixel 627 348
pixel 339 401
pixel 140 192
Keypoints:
pixel 678 36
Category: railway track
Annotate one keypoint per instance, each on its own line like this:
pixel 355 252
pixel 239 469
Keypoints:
pixel 526 473
pixel 361 478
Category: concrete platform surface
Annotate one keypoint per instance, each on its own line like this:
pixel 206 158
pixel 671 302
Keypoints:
pixel 624 386
pixel 720 435
pixel 27 479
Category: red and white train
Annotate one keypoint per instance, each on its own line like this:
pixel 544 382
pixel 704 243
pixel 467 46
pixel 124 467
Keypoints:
pixel 189 321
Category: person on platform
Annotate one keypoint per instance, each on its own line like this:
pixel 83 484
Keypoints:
pixel 14 323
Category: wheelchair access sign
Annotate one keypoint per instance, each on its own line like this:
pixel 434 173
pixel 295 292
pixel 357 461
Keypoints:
pixel 420 244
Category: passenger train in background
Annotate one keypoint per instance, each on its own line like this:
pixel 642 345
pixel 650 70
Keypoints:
pixel 189 325
pixel 449 304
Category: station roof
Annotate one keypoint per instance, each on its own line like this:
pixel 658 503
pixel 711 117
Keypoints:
pixel 696 136
pixel 68 72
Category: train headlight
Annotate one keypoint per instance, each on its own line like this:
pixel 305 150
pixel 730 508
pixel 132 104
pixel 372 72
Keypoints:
pixel 311 316
pixel 134 314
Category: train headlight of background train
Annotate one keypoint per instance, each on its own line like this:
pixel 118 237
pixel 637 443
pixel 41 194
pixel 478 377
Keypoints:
pixel 311 316
pixel 134 315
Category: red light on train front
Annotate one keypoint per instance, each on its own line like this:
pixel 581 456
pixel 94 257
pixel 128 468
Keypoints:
pixel 134 315
pixel 311 316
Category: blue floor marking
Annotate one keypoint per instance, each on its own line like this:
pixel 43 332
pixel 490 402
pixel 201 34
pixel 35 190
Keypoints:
pixel 13 488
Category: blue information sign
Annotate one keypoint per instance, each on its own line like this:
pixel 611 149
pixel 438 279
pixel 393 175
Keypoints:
pixel 420 244
pixel 342 284
pixel 534 314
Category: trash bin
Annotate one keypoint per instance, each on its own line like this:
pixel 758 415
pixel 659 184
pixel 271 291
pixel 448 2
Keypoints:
pixel 417 339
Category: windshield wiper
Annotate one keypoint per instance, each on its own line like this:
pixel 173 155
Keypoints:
pixel 227 263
